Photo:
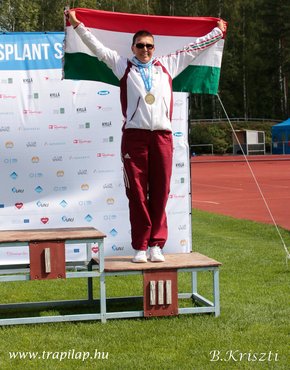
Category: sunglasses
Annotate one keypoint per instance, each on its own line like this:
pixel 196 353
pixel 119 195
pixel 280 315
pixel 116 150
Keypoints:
pixel 142 46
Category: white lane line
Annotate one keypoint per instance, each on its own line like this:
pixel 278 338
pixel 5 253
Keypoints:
pixel 204 201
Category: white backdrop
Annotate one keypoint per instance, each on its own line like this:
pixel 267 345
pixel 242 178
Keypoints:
pixel 60 152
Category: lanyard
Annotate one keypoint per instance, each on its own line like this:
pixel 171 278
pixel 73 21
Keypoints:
pixel 146 77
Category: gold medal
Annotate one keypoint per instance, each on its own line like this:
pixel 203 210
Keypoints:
pixel 149 98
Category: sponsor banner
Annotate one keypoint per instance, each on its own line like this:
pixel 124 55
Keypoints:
pixel 60 159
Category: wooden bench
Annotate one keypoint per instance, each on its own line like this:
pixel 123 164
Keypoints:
pixel 160 285
pixel 47 261
pixel 161 296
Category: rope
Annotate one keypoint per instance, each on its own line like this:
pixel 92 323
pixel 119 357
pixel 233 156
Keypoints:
pixel 257 184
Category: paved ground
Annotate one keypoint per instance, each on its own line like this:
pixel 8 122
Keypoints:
pixel 229 185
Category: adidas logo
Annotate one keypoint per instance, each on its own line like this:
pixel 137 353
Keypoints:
pixel 127 156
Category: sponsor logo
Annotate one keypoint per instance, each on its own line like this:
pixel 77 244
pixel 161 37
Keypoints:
pixel 110 201
pixel 63 203
pixel 5 129
pixel 35 159
pixel 81 157
pixel 67 219
pixel 103 171
pixel 31 144
pixel 38 189
pixel 10 160
pixel 28 80
pixel 57 127
pixel 105 109
pixel 85 187
pixel 113 232
pixel 35 174
pixel 60 173
pixel 181 180
pixel 17 191
pixel 81 110
pixel 85 203
pixel 178 134
pixel 4 96
pixel 51 79
pixel 54 143
pixel 21 128
pixel 75 93
pixel 82 172
pixel 178 103
pixel 42 204
pixel 6 113
pixel 183 242
pixel 95 249
pixel 85 125
pixel 182 227
pixel 109 139
pixel 103 92
pixel 81 141
pixel 19 205
pixel 107 124
pixel 59 188
pixel 7 81
pixel 20 221
pixel 9 145
pixel 29 111
pixel 58 111
pixel 57 158
pixel 54 95
pixel 179 164
pixel 105 155
pixel 108 186
pixel 88 218
pixel 13 175
pixel 33 96
pixel 110 217
pixel 116 249
pixel 44 220
pixel 176 196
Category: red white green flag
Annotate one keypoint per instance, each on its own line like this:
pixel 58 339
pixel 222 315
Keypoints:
pixel 116 30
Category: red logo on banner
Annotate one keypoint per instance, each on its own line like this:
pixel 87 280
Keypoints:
pixel 44 220
pixel 18 205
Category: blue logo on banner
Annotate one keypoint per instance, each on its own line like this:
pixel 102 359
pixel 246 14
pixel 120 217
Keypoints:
pixel 88 218
pixel 31 50
pixel 38 189
pixel 103 92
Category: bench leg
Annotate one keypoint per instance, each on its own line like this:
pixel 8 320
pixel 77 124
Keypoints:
pixel 216 292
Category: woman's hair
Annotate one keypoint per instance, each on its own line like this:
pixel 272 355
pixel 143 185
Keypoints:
pixel 141 33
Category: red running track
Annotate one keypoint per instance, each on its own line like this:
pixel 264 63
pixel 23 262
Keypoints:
pixel 225 185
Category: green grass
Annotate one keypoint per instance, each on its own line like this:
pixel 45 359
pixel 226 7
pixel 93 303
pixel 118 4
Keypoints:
pixel 254 286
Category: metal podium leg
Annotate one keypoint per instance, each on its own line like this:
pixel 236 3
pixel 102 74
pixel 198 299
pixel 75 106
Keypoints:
pixel 103 308
pixel 216 292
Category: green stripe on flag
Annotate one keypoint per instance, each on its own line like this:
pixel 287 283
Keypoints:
pixel 194 79
pixel 80 66
pixel 198 80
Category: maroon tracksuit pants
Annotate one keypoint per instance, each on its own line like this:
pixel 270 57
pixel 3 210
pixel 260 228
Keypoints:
pixel 147 159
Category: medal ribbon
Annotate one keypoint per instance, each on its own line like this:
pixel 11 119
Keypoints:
pixel 146 77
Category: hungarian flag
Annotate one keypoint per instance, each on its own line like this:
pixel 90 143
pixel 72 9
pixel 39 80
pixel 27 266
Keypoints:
pixel 116 30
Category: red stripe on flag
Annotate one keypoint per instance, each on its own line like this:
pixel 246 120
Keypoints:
pixel 157 25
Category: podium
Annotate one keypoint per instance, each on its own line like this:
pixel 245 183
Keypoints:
pixel 161 295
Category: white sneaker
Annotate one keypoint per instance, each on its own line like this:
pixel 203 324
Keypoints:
pixel 156 254
pixel 140 257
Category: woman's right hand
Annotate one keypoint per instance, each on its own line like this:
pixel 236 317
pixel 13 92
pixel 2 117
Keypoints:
pixel 72 18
